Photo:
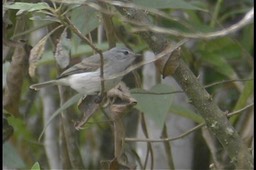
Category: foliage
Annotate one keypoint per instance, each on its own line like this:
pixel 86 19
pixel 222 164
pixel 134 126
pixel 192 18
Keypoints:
pixel 213 60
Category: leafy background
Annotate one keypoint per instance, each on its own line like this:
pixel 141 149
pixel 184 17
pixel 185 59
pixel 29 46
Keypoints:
pixel 213 60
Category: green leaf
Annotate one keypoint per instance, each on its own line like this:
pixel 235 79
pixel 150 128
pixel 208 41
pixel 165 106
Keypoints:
pixel 29 7
pixel 220 65
pixel 11 159
pixel 20 128
pixel 216 54
pixel 247 41
pixel 85 19
pixel 245 96
pixel 163 4
pixel 67 104
pixel 185 112
pixel 223 47
pixel 152 104
pixel 36 166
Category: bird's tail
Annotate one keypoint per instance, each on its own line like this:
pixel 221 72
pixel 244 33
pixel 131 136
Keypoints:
pixel 43 84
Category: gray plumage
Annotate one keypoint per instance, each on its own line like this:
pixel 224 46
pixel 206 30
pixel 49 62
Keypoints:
pixel 84 77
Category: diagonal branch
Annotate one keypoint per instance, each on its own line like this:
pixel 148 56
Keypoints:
pixel 215 119
pixel 248 19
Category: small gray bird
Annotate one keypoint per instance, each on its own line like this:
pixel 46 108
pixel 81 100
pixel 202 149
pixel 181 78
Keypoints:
pixel 84 77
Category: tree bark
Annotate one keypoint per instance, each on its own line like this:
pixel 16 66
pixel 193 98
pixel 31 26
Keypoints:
pixel 215 119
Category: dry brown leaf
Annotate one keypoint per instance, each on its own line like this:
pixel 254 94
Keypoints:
pixel 122 93
pixel 118 101
pixel 14 80
pixel 35 55
pixel 88 106
pixel 115 165
pixel 37 51
pixel 62 50
pixel 169 63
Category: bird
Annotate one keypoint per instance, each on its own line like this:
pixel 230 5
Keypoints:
pixel 84 77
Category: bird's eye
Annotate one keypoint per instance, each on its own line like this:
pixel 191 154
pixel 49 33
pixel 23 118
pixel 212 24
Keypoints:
pixel 126 52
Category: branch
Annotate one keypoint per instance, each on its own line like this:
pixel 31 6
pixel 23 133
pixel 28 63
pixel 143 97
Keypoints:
pixel 181 91
pixel 248 18
pixel 240 110
pixel 166 139
pixel 215 119
pixel 226 81
pixel 185 133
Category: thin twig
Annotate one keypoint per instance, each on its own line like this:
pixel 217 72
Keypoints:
pixel 101 74
pixel 157 93
pixel 180 91
pixel 30 30
pixel 187 132
pixel 225 81
pixel 240 110
pixel 79 34
pixel 233 28
pixel 166 139
pixel 135 6
pixel 168 148
pixel 149 146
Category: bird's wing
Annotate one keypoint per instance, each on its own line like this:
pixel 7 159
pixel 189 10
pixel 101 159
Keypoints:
pixel 86 65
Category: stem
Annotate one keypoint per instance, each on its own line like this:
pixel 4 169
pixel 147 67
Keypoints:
pixel 215 119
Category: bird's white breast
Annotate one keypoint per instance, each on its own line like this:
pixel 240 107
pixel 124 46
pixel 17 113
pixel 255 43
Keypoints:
pixel 90 82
